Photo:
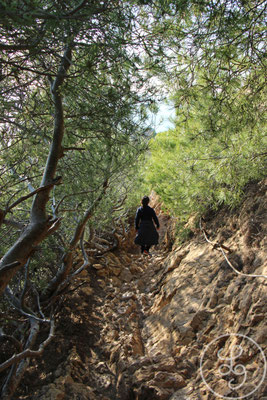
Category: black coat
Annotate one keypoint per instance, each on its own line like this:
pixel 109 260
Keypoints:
pixel 147 233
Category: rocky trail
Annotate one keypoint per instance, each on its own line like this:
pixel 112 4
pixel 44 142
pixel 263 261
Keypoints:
pixel 142 328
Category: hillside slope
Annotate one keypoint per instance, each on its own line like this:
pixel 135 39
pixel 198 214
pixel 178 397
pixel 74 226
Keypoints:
pixel 165 327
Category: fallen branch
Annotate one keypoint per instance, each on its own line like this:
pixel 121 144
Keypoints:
pixel 221 247
pixel 215 245
pixel 113 247
pixel 238 272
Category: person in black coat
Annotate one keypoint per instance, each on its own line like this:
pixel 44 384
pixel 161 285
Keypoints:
pixel 145 221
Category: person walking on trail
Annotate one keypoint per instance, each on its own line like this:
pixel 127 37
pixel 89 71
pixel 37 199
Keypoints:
pixel 145 221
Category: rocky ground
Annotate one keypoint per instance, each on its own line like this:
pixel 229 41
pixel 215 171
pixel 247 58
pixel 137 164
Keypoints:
pixel 181 325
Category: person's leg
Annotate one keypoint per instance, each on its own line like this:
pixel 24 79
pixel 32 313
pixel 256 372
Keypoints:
pixel 146 250
pixel 143 248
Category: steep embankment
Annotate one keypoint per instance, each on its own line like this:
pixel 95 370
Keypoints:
pixel 139 327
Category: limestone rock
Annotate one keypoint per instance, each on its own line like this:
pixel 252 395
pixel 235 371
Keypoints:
pixel 98 266
pixel 167 380
pixel 140 334
pixel 104 272
pixel 199 320
pixel 261 336
pixel 126 275
pixel 114 269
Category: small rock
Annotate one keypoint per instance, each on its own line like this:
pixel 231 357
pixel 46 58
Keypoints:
pixel 116 281
pixel 167 380
pixel 213 300
pixel 115 270
pixel 103 272
pixel 199 320
pixel 126 276
pixel 98 266
pixel 261 336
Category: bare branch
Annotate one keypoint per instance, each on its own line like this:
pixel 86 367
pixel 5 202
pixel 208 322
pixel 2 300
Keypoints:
pixel 26 284
pixel 15 224
pixel 118 206
pixel 78 8
pixel 10 266
pixel 72 195
pixel 38 302
pixel 28 353
pixel 86 261
pixel 8 316
pixel 17 305
pixel 40 189
pixel 68 256
pixel 73 148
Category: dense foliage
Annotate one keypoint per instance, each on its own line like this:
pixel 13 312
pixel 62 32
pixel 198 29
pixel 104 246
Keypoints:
pixel 72 111
pixel 73 103
pixel 218 90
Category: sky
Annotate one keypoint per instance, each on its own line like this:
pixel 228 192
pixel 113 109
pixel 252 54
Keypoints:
pixel 162 121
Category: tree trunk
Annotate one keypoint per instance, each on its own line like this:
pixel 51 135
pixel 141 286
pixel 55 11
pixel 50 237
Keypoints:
pixel 40 225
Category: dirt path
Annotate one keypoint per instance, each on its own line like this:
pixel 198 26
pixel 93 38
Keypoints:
pixel 98 331
pixel 137 328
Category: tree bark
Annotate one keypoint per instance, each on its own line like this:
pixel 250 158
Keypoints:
pixel 40 225
pixel 23 358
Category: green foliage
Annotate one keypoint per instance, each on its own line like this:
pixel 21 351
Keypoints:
pixel 210 55
pixel 215 77
pixel 182 233
pixel 104 112
pixel 208 159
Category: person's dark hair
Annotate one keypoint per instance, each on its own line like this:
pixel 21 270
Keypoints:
pixel 145 200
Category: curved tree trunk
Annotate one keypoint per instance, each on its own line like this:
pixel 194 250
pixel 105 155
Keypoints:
pixel 40 225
